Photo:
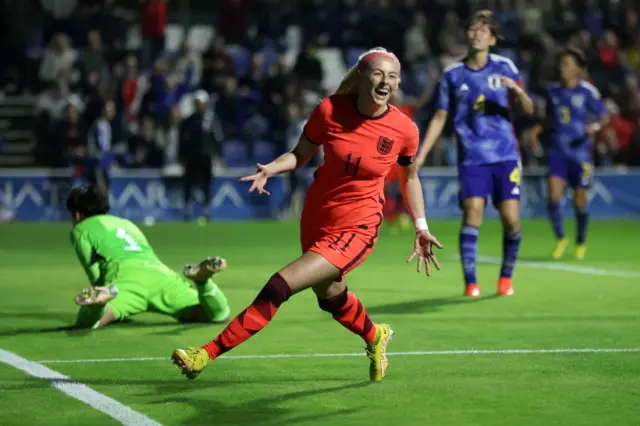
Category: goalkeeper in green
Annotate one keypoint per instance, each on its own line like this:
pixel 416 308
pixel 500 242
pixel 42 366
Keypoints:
pixel 126 276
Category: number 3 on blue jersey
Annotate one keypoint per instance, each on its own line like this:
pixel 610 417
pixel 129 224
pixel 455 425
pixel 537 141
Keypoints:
pixel 131 244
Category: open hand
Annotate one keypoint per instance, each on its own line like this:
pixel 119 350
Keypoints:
pixel 258 179
pixel 423 248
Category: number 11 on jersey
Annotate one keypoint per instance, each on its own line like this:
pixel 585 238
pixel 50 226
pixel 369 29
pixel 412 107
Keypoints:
pixel 348 164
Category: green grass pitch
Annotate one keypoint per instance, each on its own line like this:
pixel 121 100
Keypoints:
pixel 592 304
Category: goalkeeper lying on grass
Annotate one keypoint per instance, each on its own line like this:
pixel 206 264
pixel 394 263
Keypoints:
pixel 126 276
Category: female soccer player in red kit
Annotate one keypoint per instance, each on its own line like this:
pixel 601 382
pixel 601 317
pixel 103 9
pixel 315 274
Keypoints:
pixel 362 138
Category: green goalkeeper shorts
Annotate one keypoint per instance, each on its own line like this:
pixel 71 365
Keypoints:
pixel 150 287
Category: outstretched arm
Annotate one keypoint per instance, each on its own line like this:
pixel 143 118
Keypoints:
pixel 294 159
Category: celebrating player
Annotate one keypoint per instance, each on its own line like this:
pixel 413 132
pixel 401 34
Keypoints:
pixel 126 276
pixel 477 93
pixel 570 107
pixel 362 137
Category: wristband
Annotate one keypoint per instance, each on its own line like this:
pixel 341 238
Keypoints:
pixel 596 127
pixel 421 224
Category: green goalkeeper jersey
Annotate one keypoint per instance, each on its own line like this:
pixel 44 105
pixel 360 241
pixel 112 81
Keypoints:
pixel 104 242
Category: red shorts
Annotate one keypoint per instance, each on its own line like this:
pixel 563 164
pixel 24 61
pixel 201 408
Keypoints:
pixel 344 250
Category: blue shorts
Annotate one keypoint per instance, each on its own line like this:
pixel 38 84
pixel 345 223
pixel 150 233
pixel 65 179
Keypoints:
pixel 578 175
pixel 500 181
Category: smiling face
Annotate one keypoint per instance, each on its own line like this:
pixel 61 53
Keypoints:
pixel 380 79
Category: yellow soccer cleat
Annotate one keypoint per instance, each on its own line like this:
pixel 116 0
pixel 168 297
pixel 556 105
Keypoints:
pixel 377 352
pixel 559 248
pixel 191 361
pixel 581 251
pixel 200 272
pixel 96 295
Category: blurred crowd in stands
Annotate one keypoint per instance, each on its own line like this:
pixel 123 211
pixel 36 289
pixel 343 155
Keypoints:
pixel 263 65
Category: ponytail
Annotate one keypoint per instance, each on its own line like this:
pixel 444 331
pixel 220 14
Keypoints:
pixel 350 82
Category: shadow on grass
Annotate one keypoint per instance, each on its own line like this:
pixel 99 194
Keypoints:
pixel 164 327
pixel 422 306
pixel 267 410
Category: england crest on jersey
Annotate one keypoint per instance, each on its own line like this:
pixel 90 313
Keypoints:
pixel 384 145
pixel 494 82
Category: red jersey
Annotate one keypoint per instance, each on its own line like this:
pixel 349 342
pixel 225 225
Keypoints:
pixel 359 151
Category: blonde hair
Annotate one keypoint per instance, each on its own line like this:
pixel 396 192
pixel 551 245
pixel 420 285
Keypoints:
pixel 351 80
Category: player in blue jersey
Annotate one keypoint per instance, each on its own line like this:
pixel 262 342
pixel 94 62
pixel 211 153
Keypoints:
pixel 476 95
pixel 574 112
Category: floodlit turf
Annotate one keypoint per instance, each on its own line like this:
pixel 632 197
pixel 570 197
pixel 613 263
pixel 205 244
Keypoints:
pixel 552 309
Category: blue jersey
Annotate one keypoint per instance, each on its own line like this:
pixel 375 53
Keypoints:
pixel 479 107
pixel 570 111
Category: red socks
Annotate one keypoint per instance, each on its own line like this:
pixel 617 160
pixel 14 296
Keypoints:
pixel 252 319
pixel 348 311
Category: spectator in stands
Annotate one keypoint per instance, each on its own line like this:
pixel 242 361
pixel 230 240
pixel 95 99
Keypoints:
pixel 168 136
pixel 274 85
pixel 145 147
pixel 631 54
pixel 630 28
pixel 68 137
pixel 94 59
pixel 229 108
pixel 234 26
pixel 58 59
pixel 197 145
pixel 509 23
pixel 353 24
pixel 417 48
pixel 133 87
pixel 184 58
pixel 52 102
pixel 451 39
pixel 273 19
pixel 308 68
pixel 341 24
pixel 167 90
pixel 254 80
pixel 531 17
pixel 319 22
pixel 99 155
pixel 153 28
pixel 216 65
pixel 563 21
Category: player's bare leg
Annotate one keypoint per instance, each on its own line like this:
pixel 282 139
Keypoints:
pixel 580 200
pixel 333 297
pixel 306 271
pixel 510 217
pixel 555 189
pixel 473 209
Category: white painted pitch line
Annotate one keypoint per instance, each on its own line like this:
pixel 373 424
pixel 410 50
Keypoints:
pixel 356 354
pixel 565 267
pixel 100 402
